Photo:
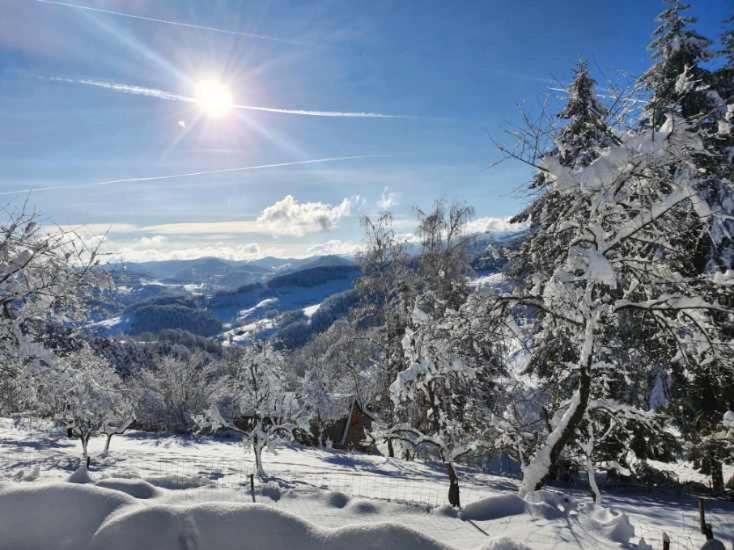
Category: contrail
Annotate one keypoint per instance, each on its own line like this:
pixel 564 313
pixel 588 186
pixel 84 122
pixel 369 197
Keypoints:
pixel 169 22
pixel 170 96
pixel 192 174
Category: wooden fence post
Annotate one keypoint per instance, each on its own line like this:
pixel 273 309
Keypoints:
pixel 666 541
pixel 706 528
pixel 702 515
pixel 252 486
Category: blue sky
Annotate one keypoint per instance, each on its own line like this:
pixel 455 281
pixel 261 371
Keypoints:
pixel 456 71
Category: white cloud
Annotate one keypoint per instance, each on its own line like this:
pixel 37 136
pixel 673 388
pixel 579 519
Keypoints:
pixel 494 225
pixel 290 217
pixel 155 241
pixel 159 248
pixel 287 217
pixel 341 248
pixel 389 199
pixel 407 238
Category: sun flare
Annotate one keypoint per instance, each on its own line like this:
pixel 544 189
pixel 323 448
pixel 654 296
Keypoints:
pixel 214 98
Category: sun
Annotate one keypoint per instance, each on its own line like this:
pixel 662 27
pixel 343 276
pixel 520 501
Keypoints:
pixel 214 98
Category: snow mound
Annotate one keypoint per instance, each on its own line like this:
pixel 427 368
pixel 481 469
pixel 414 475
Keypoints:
pixel 178 482
pixel 494 507
pixel 609 523
pixel 549 504
pixel 134 487
pixel 80 475
pixel 546 504
pixel 505 543
pixel 66 516
pixel 58 516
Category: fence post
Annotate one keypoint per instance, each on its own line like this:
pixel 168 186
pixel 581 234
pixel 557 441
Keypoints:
pixel 706 528
pixel 666 541
pixel 702 515
pixel 252 486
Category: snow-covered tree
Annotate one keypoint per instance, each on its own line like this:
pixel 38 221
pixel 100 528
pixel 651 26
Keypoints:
pixel 622 256
pixel 587 130
pixel 386 293
pixel 342 368
pixel 677 81
pixel 178 388
pixel 577 144
pixel 725 75
pixel 85 394
pixel 256 401
pixel 682 86
pixel 444 259
pixel 44 279
pixel 320 404
pixel 438 396
pixel 700 398
pixel 727 40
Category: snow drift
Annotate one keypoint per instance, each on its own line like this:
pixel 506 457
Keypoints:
pixel 123 516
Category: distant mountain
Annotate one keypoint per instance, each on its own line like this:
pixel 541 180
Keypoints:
pixel 288 300
pixel 287 292
pixel 273 264
pixel 281 265
pixel 214 274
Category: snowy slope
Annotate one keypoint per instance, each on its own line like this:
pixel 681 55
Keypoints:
pixel 328 489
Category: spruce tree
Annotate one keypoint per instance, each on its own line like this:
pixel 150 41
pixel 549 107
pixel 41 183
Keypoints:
pixel 676 80
pixel 587 131
pixel 681 87
pixel 727 39
pixel 615 236
pixel 577 145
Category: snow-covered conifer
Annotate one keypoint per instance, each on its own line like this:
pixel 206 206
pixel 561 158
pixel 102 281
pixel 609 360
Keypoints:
pixel 587 130
pixel 677 81
pixel 624 259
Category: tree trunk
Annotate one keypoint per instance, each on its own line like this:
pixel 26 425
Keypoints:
pixel 454 499
pixel 595 493
pixel 257 449
pixel 85 442
pixel 540 468
pixel 390 448
pixel 106 450
pixel 717 477
pixel 570 428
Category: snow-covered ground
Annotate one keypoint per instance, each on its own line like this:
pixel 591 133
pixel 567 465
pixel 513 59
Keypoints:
pixel 326 490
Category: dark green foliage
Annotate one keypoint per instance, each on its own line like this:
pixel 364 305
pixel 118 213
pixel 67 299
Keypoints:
pixel 677 49
pixel 155 318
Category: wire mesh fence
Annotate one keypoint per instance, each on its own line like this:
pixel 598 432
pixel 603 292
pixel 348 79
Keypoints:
pixel 683 532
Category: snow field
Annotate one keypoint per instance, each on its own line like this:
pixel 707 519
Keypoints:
pixel 193 485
